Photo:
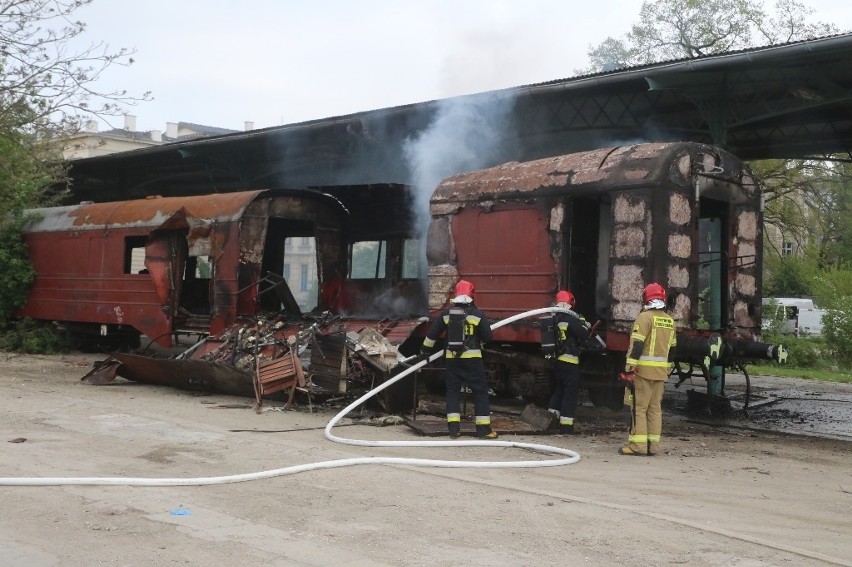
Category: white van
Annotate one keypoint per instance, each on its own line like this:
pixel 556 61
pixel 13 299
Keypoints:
pixel 799 316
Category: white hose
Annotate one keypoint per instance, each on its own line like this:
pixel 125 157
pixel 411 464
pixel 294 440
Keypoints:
pixel 569 457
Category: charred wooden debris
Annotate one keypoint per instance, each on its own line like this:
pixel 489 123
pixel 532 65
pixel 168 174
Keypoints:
pixel 323 360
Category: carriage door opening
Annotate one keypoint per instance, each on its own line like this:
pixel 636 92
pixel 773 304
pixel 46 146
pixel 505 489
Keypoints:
pixel 712 274
pixel 290 257
pixel 587 246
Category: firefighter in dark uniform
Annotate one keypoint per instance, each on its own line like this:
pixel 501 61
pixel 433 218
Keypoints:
pixel 467 329
pixel 652 337
pixel 570 331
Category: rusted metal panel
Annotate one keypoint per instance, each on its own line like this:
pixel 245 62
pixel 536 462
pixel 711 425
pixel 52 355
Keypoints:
pixel 506 253
pixel 151 213
pixel 195 375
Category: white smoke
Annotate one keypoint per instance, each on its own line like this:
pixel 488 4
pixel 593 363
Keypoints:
pixel 467 133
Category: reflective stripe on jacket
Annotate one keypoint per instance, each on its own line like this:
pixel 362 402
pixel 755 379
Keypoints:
pixel 571 330
pixel 477 330
pixel 654 329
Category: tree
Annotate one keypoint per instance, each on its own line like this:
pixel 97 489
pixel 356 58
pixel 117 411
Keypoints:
pixel 42 69
pixel 25 171
pixel 810 203
pixel 807 200
pixel 48 88
pixel 679 29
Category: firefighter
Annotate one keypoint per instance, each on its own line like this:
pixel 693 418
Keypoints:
pixel 467 329
pixel 570 331
pixel 652 337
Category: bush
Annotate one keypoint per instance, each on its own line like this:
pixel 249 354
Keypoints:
pixel 805 352
pixel 802 352
pixel 16 272
pixel 837 328
pixel 32 337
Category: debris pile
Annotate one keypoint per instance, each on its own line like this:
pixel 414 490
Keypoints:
pixel 328 359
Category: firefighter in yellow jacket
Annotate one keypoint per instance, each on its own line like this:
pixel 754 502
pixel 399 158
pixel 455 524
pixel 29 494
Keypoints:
pixel 652 337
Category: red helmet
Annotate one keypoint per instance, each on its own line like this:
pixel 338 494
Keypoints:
pixel 564 296
pixel 653 291
pixel 465 288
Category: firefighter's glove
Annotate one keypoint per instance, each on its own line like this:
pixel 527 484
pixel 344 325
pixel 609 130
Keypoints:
pixel 627 377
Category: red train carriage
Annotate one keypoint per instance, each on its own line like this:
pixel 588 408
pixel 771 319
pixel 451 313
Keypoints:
pixel 603 223
pixel 159 266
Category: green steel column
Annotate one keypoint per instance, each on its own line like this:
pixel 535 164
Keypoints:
pixel 714 299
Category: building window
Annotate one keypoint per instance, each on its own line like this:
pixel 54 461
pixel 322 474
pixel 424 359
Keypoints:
pixel 787 249
pixel 303 278
pixel 287 271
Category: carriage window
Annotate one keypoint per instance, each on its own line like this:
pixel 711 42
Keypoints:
pixel 300 270
pixel 134 254
pixel 368 260
pixel 412 264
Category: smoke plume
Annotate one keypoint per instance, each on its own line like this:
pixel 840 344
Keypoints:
pixel 467 133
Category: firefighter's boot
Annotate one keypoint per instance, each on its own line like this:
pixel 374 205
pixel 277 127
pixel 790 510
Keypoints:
pixel 628 450
pixel 455 429
pixel 485 432
pixel 566 425
pixel 554 418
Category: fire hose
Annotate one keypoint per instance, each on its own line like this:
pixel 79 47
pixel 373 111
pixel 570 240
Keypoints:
pixel 567 456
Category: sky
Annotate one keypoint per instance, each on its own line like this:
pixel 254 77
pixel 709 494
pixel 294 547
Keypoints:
pixel 273 62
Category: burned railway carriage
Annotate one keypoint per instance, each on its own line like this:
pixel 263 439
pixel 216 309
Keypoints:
pixel 603 224
pixel 159 266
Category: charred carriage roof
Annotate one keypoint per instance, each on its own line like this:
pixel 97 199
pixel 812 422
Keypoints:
pixel 605 169
pixel 152 212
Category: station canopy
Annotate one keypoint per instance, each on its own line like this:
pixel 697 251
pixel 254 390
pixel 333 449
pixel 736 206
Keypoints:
pixel 785 101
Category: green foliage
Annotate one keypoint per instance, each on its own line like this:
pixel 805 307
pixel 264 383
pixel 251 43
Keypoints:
pixel 805 352
pixel 808 357
pixel 701 322
pixel 16 271
pixel 678 29
pixel 27 168
pixel 837 328
pixel 834 374
pixel 32 337
pixel 832 287
pixel 47 89
pixel 772 320
pixel 788 276
pixel 832 290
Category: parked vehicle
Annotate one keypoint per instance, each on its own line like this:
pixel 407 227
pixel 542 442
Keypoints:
pixel 792 316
